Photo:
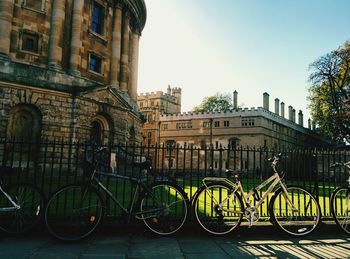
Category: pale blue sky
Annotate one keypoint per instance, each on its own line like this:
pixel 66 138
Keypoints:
pixel 252 46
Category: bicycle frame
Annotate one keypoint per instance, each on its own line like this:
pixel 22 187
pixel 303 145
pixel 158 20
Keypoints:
pixel 136 181
pixel 273 180
pixel 15 205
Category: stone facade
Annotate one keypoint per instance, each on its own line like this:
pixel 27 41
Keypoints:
pixel 68 69
pixel 253 127
pixel 153 105
pixel 222 139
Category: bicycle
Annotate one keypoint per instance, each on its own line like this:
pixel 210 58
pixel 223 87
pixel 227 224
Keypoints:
pixel 220 204
pixel 21 206
pixel 75 211
pixel 340 201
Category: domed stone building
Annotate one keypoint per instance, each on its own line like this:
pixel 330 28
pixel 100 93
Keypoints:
pixel 68 69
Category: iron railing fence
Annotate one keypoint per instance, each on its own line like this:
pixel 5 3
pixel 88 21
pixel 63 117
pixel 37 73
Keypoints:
pixel 53 164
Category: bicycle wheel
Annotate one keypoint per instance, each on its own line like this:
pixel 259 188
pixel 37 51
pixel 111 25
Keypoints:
pixel 296 212
pixel 164 208
pixel 31 205
pixel 340 207
pixel 74 212
pixel 215 212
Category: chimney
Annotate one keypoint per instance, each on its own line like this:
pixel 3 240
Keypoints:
pixel 266 101
pixel 301 118
pixel 235 95
pixel 282 109
pixel 277 106
pixel 293 115
pixel 290 113
pixel 309 123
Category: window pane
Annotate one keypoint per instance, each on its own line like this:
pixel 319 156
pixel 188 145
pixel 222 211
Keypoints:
pixel 95 63
pixel 97 18
pixel 30 42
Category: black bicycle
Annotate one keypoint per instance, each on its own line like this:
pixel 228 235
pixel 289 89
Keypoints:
pixel 75 211
pixel 340 201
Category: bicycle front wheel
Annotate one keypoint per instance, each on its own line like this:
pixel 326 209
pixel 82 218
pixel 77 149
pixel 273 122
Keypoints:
pixel 218 209
pixel 164 208
pixel 296 211
pixel 27 215
pixel 340 207
pixel 74 212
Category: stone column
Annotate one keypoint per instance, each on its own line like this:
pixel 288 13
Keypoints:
pixel 56 31
pixel 75 44
pixel 124 78
pixel 134 65
pixel 6 14
pixel 116 46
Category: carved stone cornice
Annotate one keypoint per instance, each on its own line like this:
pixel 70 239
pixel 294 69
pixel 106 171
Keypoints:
pixel 137 9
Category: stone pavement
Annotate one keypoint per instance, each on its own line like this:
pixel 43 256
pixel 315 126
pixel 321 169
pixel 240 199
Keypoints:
pixel 116 242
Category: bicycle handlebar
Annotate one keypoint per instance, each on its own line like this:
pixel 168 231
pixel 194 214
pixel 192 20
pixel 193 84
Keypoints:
pixel 338 164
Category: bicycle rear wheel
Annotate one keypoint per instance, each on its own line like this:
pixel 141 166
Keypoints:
pixel 215 214
pixel 28 215
pixel 296 212
pixel 164 208
pixel 340 207
pixel 74 212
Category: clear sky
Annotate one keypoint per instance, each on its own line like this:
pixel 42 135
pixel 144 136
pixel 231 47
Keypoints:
pixel 252 46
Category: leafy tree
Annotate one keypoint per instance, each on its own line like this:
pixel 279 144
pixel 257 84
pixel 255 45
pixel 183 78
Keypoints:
pixel 217 103
pixel 329 93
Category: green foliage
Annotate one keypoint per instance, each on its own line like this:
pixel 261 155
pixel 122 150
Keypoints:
pixel 329 93
pixel 217 103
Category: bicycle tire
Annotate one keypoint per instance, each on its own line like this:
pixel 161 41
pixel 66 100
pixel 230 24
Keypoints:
pixel 303 219
pixel 164 208
pixel 210 216
pixel 340 207
pixel 74 212
pixel 28 216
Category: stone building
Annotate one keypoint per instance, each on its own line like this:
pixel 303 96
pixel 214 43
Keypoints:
pixel 68 69
pixel 155 104
pixel 248 127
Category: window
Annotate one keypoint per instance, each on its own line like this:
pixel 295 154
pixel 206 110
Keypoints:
pixel 226 124
pixel 30 42
pixel 248 122
pixel 141 104
pixel 97 18
pixel 206 124
pixel 165 126
pixel 149 138
pixel 34 4
pixel 95 63
pixel 216 124
pixel 233 143
pixel 96 133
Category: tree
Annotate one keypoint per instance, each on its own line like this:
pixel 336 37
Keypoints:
pixel 217 103
pixel 329 93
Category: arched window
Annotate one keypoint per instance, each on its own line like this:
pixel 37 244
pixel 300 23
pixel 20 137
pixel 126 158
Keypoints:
pixel 23 133
pixel 96 134
pixel 101 128
pixel 24 123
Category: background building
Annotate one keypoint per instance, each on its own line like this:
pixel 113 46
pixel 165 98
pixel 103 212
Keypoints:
pixel 68 69
pixel 249 127
pixel 155 104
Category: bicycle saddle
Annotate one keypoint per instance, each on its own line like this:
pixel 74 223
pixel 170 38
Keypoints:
pixel 235 173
